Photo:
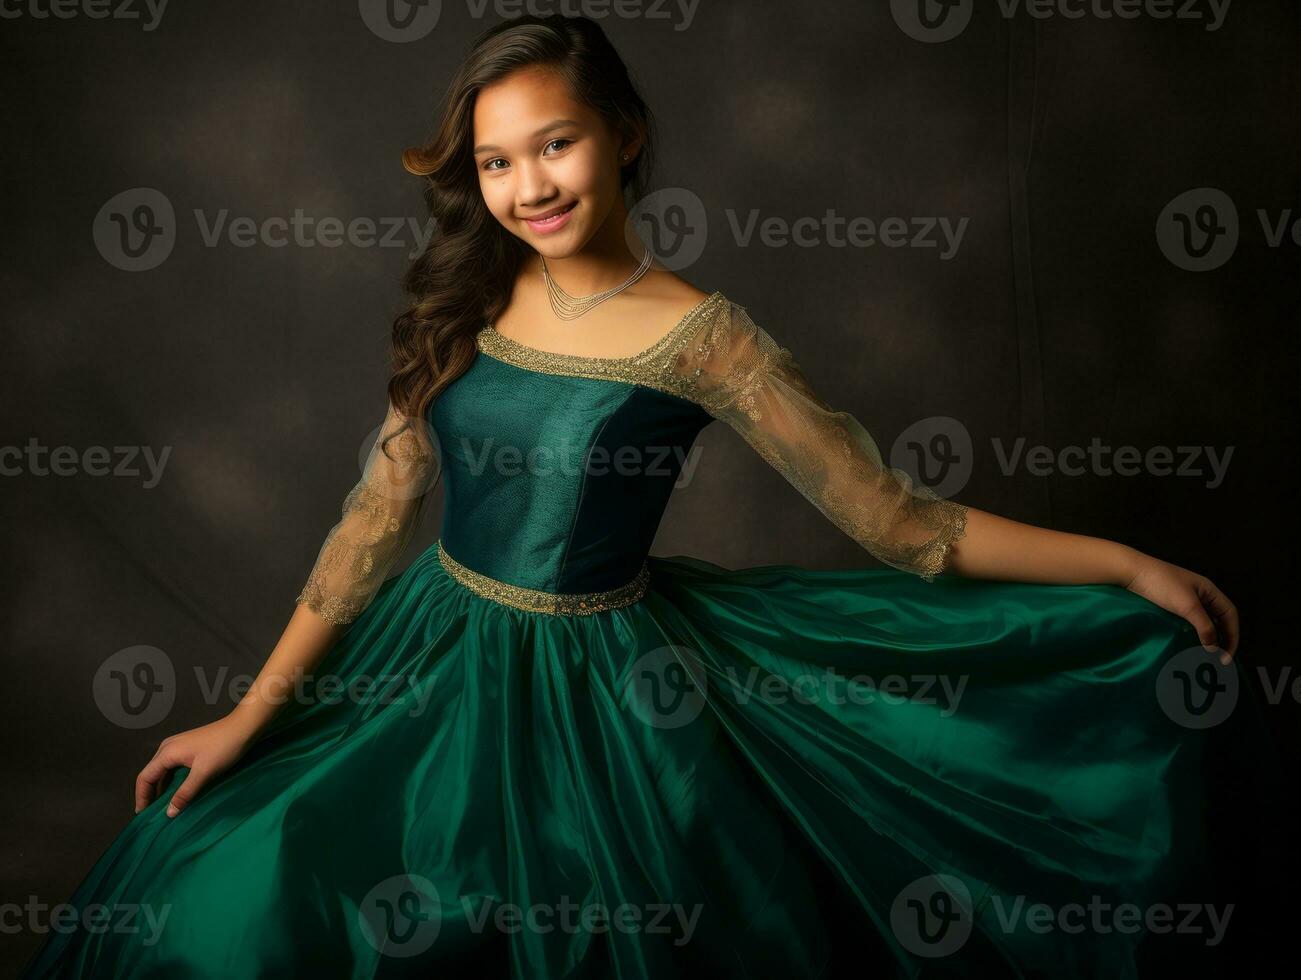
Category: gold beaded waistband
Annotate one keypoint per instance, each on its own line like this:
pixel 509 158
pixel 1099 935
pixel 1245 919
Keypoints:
pixel 534 600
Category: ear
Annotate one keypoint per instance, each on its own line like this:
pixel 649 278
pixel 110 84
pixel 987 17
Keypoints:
pixel 629 149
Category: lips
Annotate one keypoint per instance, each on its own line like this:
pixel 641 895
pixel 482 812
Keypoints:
pixel 551 218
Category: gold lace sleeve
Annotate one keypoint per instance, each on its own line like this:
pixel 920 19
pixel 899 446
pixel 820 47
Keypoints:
pixel 379 515
pixel 739 374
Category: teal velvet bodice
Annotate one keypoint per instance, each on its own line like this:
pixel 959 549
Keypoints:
pixel 553 482
pixel 557 468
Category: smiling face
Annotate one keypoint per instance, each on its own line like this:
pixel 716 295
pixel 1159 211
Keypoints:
pixel 548 166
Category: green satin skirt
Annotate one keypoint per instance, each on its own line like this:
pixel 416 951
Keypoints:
pixel 765 772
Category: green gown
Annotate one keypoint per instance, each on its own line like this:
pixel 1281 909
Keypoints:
pixel 542 752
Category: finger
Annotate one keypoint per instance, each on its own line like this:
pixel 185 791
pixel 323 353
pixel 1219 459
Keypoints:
pixel 1227 621
pixel 1225 614
pixel 151 775
pixel 1204 627
pixel 1232 630
pixel 186 793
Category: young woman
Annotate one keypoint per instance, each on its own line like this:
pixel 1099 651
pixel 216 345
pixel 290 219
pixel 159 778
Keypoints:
pixel 542 752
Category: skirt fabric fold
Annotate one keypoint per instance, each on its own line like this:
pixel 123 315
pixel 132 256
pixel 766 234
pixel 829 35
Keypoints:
pixel 764 772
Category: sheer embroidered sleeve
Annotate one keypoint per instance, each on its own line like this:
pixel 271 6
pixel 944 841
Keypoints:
pixel 379 515
pixel 740 374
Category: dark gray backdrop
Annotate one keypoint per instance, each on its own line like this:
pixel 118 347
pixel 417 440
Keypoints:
pixel 1060 318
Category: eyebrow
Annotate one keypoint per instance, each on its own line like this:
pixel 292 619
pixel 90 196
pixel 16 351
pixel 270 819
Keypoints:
pixel 554 124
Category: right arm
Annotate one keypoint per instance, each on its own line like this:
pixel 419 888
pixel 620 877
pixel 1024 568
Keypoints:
pixel 380 514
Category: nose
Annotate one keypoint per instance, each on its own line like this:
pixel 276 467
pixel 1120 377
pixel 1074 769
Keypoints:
pixel 535 187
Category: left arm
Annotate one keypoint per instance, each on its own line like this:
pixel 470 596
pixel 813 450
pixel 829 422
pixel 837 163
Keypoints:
pixel 741 375
pixel 994 547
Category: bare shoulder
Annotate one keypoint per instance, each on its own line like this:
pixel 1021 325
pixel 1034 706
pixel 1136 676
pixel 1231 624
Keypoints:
pixel 669 298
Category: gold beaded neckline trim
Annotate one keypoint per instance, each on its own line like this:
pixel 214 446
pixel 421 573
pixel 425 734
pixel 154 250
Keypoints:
pixel 503 348
pixel 552 603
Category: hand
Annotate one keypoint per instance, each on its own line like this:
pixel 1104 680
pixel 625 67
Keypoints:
pixel 1192 596
pixel 208 751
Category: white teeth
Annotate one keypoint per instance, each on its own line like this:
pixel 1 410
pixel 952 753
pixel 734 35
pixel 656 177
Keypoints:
pixel 552 217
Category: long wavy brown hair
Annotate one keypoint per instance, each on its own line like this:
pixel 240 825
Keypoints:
pixel 463 278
